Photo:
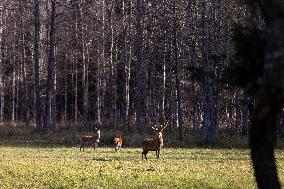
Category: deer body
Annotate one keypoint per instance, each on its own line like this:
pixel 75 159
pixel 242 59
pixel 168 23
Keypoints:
pixel 153 144
pixel 90 140
pixel 118 142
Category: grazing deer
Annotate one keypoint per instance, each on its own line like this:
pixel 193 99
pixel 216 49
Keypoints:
pixel 154 144
pixel 118 142
pixel 93 140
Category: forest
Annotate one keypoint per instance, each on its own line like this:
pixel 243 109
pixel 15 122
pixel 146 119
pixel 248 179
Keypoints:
pixel 123 64
pixel 210 72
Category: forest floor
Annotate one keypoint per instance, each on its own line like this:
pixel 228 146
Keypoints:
pixel 66 167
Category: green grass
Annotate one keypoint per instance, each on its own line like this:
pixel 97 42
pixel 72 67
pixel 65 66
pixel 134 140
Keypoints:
pixel 62 167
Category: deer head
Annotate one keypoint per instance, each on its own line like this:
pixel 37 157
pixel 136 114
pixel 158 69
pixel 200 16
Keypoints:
pixel 159 130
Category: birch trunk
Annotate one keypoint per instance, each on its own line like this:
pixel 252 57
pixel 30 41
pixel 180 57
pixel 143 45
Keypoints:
pixel 85 66
pixel 177 79
pixel 128 68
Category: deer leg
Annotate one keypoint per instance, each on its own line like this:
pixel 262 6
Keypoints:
pixel 116 147
pixel 119 147
pixel 96 144
pixel 145 154
pixel 82 146
pixel 158 153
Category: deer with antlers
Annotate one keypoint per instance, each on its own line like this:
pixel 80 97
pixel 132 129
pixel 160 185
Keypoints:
pixel 154 144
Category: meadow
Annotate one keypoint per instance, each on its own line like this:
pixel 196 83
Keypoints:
pixel 40 166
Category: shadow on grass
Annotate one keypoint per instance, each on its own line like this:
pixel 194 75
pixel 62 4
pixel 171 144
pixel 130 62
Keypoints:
pixel 102 159
pixel 217 159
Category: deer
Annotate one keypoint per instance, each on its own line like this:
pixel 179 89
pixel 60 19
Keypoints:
pixel 155 143
pixel 118 142
pixel 91 139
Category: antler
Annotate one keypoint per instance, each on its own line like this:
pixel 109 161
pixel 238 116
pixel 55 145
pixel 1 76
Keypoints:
pixel 164 126
pixel 160 128
pixel 155 128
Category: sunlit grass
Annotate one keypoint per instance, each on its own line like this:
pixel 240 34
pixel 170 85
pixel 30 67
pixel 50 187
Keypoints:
pixel 61 167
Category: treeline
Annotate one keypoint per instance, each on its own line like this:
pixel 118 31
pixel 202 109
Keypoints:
pixel 121 63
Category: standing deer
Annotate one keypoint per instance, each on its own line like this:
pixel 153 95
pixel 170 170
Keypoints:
pixel 91 140
pixel 154 144
pixel 118 142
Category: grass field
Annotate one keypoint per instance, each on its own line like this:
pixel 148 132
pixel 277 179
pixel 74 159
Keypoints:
pixel 67 167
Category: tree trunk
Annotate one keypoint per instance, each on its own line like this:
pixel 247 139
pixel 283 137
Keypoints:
pixel 85 66
pixel 177 79
pixel 191 43
pixel 50 69
pixel 281 129
pixel 53 110
pixel 76 79
pixel 209 106
pixel 128 68
pixel 269 98
pixel 1 64
pixel 36 58
pixel 65 89
pixel 121 59
pixel 23 68
pixel 14 76
pixel 263 136
pixel 98 90
pixel 245 117
pixel 238 115
pixel 139 64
